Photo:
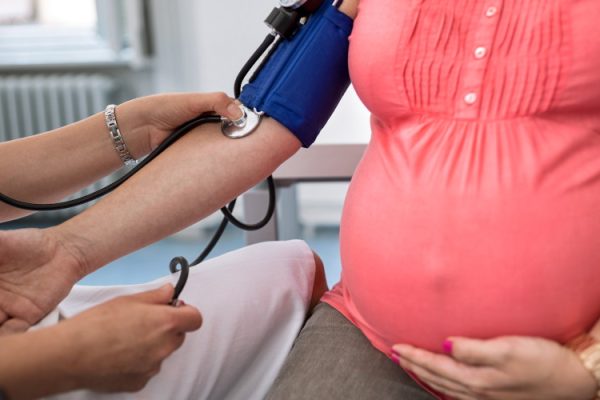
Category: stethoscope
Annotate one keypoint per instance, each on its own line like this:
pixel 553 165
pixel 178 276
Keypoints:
pixel 283 21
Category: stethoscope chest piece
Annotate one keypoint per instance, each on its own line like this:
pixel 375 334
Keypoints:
pixel 241 127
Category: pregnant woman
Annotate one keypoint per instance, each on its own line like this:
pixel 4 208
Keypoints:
pixel 475 210
pixel 470 238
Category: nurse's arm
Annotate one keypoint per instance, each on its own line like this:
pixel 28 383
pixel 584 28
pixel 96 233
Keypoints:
pixel 47 167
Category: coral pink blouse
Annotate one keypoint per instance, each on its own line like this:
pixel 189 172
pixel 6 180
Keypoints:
pixel 476 208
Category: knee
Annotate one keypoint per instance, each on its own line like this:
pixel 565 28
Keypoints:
pixel 320 282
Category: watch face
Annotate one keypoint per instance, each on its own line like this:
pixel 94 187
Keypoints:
pixel 292 3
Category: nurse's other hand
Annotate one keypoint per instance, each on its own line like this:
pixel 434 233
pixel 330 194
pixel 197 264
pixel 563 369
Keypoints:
pixel 121 344
pixel 146 121
pixel 502 368
pixel 37 271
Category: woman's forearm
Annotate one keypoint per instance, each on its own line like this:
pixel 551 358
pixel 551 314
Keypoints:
pixel 47 167
pixel 197 175
pixel 52 165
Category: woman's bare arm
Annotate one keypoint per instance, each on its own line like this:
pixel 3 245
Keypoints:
pixel 197 175
pixel 350 8
pixel 49 166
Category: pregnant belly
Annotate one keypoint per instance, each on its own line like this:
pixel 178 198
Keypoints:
pixel 421 264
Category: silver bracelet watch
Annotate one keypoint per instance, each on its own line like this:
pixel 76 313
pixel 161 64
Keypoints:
pixel 110 117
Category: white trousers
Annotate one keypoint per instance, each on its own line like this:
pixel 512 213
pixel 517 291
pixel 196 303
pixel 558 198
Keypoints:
pixel 253 302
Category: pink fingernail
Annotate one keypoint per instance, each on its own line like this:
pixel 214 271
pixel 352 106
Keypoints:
pixel 394 357
pixel 447 346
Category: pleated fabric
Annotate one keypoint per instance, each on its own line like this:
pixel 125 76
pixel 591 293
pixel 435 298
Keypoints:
pixel 476 208
pixel 522 51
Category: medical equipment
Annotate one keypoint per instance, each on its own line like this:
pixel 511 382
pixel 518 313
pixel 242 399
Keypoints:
pixel 299 83
pixel 304 80
pixel 307 5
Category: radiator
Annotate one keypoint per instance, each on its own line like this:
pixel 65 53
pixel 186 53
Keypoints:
pixel 30 104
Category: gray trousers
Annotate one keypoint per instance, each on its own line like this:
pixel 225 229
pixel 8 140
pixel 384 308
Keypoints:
pixel 332 359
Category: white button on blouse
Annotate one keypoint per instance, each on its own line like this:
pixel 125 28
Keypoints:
pixel 480 52
pixel 470 98
pixel 491 11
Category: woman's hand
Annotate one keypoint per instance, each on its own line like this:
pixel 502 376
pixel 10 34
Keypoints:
pixel 116 346
pixel 37 270
pixel 146 121
pixel 120 345
pixel 502 368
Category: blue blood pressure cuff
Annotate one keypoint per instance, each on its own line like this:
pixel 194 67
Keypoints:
pixel 304 79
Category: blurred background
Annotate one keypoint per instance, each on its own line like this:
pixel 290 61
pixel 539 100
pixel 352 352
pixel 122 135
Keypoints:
pixel 63 60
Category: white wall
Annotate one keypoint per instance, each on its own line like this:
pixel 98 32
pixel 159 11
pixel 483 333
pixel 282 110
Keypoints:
pixel 202 44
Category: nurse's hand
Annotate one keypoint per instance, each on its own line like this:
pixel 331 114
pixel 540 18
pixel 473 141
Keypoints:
pixel 37 271
pixel 146 121
pixel 121 344
pixel 502 368
pixel 116 346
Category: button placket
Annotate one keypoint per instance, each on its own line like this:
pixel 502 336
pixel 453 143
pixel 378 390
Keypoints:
pixel 469 100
